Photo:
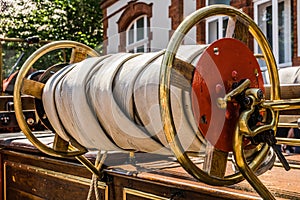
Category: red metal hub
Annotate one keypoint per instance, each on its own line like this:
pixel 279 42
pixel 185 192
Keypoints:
pixel 223 63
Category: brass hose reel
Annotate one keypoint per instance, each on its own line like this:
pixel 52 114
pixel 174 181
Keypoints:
pixel 79 52
pixel 242 130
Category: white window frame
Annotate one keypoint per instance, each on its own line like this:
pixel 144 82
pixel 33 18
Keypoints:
pixel 220 20
pixel 298 25
pixel 144 42
pixel 220 24
pixel 275 46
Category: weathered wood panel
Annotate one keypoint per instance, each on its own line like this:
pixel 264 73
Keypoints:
pixel 21 180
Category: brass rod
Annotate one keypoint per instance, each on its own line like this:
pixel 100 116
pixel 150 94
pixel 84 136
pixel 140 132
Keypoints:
pixel 282 104
pixel 288 125
pixel 89 165
pixel 293 166
pixel 288 141
pixel 259 56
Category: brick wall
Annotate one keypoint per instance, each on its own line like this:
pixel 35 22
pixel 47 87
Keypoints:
pixel 295 58
pixel 107 3
pixel 176 13
pixel 245 5
pixel 104 5
pixel 105 27
pixel 200 28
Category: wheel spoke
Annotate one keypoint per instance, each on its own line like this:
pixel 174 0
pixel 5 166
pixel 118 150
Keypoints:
pixel 33 88
pixel 236 29
pixel 215 161
pixel 182 75
pixel 78 54
pixel 230 27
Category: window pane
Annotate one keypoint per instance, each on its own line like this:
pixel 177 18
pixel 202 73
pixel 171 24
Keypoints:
pixel 281 32
pixel 211 2
pixel 269 24
pixel 140 29
pixel 213 31
pixel 140 49
pixel 281 42
pixel 137 35
pixel 225 23
pixel 265 21
pixel 131 34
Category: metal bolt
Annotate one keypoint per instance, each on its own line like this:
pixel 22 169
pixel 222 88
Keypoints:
pixel 234 75
pixel 219 88
pixel 246 101
pixel 256 72
pixel 260 94
pixel 216 51
pixel 30 121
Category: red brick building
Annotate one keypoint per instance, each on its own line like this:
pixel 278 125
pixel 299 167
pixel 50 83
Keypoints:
pixel 146 25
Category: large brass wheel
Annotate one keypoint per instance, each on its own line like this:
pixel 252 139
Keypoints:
pixel 79 52
pixel 165 78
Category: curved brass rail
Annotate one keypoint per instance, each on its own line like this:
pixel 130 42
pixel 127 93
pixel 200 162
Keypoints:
pixel 18 102
pixel 245 169
pixel 165 74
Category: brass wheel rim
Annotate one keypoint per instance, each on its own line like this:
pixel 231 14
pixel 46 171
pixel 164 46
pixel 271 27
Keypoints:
pixel 164 91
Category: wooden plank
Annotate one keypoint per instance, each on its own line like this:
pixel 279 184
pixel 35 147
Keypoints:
pixel 78 54
pixel 33 88
pixel 6 103
pixel 182 75
pixel 37 181
pixel 13 193
pixel 288 91
pixel 172 187
pixel 167 182
pixel 215 162
pixel 230 27
pixel 241 32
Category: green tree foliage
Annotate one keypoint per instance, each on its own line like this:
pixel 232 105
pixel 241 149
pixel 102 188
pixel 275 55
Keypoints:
pixel 77 20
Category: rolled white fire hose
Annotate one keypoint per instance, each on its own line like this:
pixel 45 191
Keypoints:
pixel 112 103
